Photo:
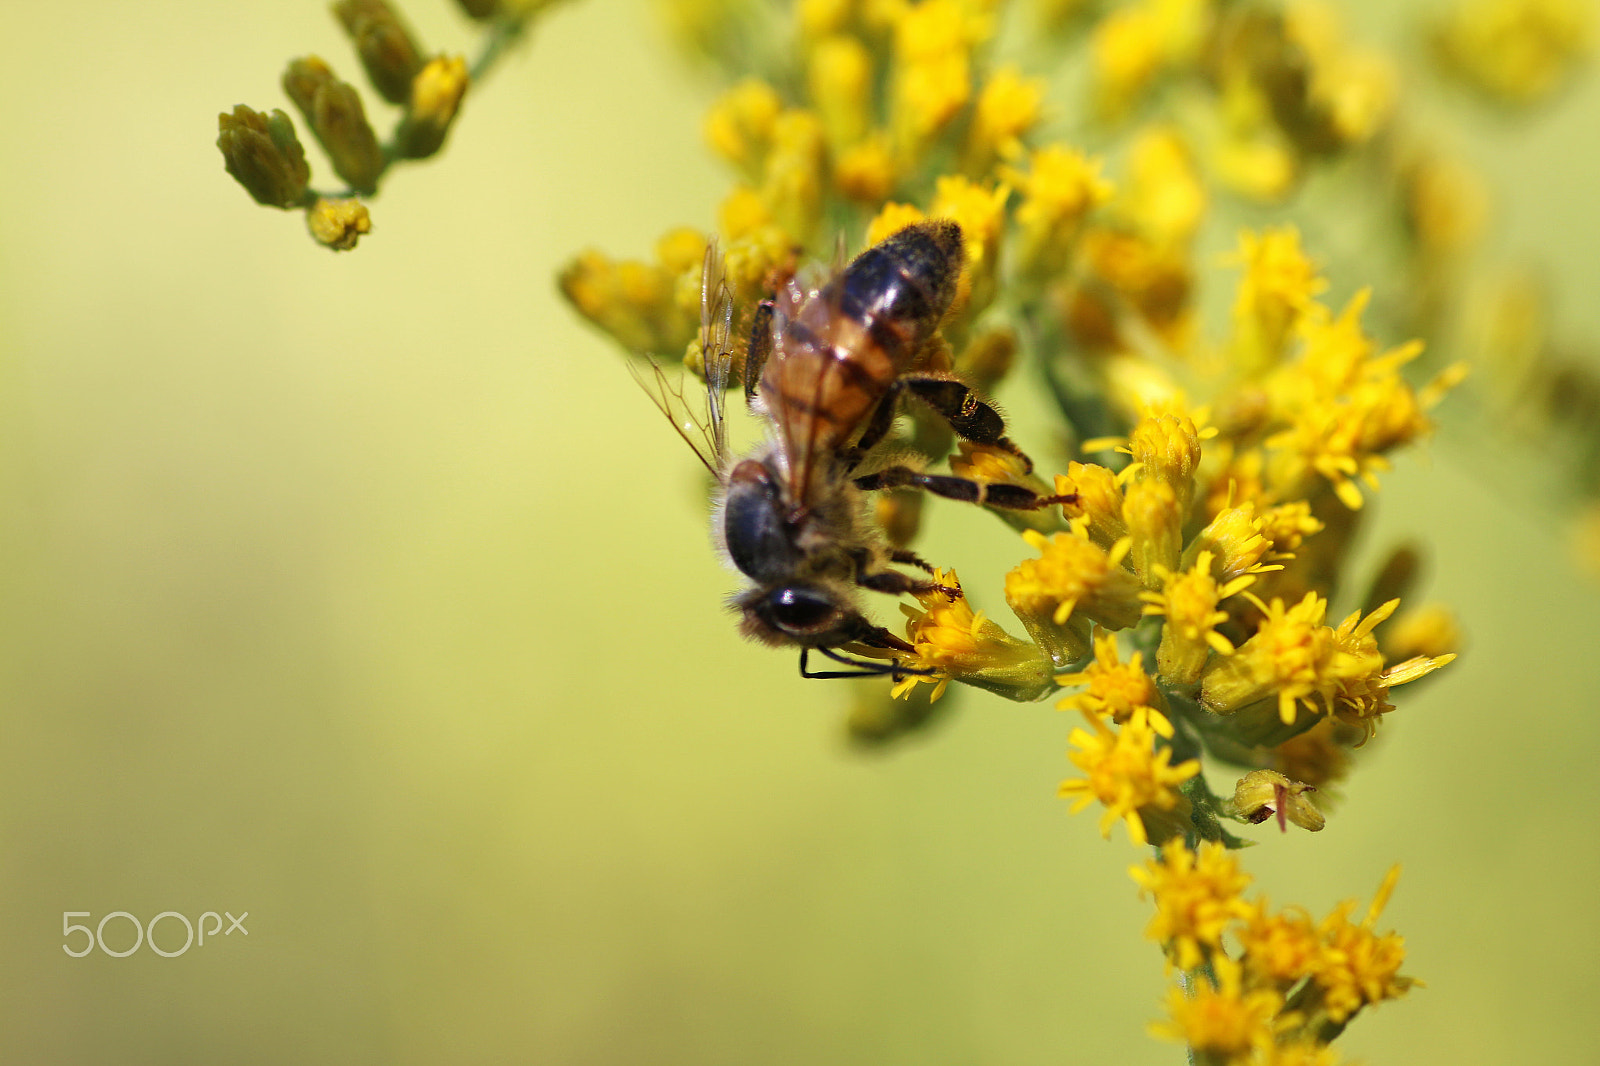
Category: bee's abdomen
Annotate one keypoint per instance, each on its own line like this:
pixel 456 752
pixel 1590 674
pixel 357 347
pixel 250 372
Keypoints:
pixel 898 290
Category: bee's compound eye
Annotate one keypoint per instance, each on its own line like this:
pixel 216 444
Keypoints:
pixel 801 610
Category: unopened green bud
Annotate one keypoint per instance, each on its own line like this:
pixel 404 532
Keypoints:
pixel 338 224
pixel 480 9
pixel 436 93
pixel 333 110
pixel 384 44
pixel 264 155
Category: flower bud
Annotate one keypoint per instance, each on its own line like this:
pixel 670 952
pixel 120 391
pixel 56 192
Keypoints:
pixel 436 94
pixel 387 51
pixel 333 110
pixel 264 155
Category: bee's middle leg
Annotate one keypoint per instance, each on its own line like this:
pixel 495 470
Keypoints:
pixel 894 582
pixel 971 418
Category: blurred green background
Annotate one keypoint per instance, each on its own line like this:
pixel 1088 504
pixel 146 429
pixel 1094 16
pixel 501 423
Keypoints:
pixel 366 594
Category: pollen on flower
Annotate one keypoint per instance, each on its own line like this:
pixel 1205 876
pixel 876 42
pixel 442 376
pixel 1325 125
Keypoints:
pixel 1130 773
pixel 1292 655
pixel 1197 895
pixel 1278 949
pixel 1100 501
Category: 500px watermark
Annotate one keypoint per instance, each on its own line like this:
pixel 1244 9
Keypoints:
pixel 146 934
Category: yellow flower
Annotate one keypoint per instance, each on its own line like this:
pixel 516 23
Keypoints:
pixel 1073 574
pixel 1131 775
pixel 1422 632
pixel 891 220
pixel 1222 1021
pixel 1059 189
pixel 1278 949
pixel 1234 539
pixel 1165 198
pixel 1100 501
pixel 1189 599
pixel 1278 286
pixel 1357 967
pixel 1115 689
pixel 792 184
pixel 839 77
pixel 1519 51
pixel 739 126
pixel 1008 108
pixel 981 213
pixel 338 224
pixel 1155 526
pixel 953 641
pixel 865 173
pixel 1292 655
pixel 1197 896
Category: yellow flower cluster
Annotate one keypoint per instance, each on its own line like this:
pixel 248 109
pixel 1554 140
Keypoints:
pixel 1295 983
pixel 1180 590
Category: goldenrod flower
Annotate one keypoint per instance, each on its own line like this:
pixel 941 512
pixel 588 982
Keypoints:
pixel 1165 197
pixel 1129 772
pixel 793 184
pixel 1278 286
pixel 1155 528
pixel 839 78
pixel 436 95
pixel 865 173
pixel 1189 599
pixel 1429 632
pixel 956 642
pixel 739 126
pixel 933 79
pixel 1518 51
pixel 1008 107
pixel 338 224
pixel 1260 794
pixel 1292 656
pixel 1115 689
pixel 637 303
pixel 891 220
pixel 980 212
pixel 1235 540
pixel 1059 189
pixel 1100 501
pixel 1221 1020
pixel 264 155
pixel 1356 966
pixel 1072 575
pixel 1197 896
pixel 1277 949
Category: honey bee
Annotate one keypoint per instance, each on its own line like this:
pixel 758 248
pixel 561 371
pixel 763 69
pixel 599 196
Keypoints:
pixel 825 368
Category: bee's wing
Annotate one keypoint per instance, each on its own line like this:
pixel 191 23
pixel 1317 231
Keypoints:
pixel 699 421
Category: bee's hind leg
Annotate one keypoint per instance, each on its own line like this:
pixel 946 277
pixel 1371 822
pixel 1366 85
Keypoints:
pixel 986 493
pixel 971 418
